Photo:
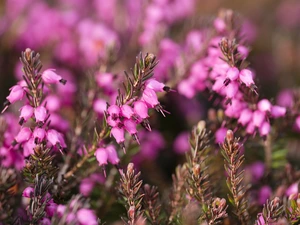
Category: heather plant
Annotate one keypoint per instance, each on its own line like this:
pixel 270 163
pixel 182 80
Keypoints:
pixel 138 112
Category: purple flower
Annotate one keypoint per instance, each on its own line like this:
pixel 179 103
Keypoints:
pixel 278 111
pixel 26 113
pixel 99 106
pixel 232 73
pixel 55 138
pixel 86 186
pixel 101 156
pixel 51 208
pixel 28 147
pixel 118 134
pixel 44 221
pixel 264 193
pixel 40 114
pixel 155 85
pixel 245 116
pixel 86 217
pixel 220 135
pixel 246 77
pixel 16 93
pixel 23 135
pixel 28 192
pixel 112 154
pixel 264 105
pixel 39 133
pixel 181 144
pixel 50 77
pixel 127 111
pixel 149 96
pixel 292 189
pixel 141 109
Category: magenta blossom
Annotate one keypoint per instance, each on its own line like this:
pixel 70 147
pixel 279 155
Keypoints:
pixel 16 93
pixel 50 77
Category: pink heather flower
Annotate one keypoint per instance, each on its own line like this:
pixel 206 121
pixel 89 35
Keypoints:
pixel 113 122
pixel 219 84
pixel 257 170
pixel 86 186
pixel 40 114
pixel 86 217
pixel 127 111
pixel 278 111
pixel 155 85
pixel 233 73
pixel 112 155
pixel 149 96
pixel 28 147
pixel 140 109
pixel 51 208
pixel 54 137
pixel 250 129
pixel 101 156
pixel 61 209
pixel 44 221
pixel 219 24
pixel 264 193
pixel 26 113
pixel 245 117
pixel 39 133
pixel 220 135
pixel 104 80
pixel 285 98
pixel 264 105
pixel 293 189
pixel 243 51
pixel 186 88
pixel 53 103
pixel 246 77
pixel 50 77
pixel 130 126
pixel 258 118
pixel 16 94
pixel 181 144
pixel 114 110
pixel 23 135
pixel 231 89
pixel 297 123
pixel 118 134
pixel 99 106
pixel 28 192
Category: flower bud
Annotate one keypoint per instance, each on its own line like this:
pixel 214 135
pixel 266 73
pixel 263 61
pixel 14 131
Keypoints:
pixel 50 77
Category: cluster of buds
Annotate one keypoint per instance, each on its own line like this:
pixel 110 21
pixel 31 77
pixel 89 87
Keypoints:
pixel 132 108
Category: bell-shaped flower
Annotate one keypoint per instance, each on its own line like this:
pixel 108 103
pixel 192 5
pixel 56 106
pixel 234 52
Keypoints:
pixel 232 73
pixel 50 77
pixel 23 135
pixel 130 126
pixel 40 114
pixel 112 154
pixel 26 112
pixel 246 77
pixel 278 111
pixel 231 89
pixel 16 93
pixel 99 106
pixel 140 109
pixel 51 208
pixel 245 117
pixel 86 217
pixel 39 134
pixel 155 85
pixel 114 110
pixel 258 118
pixel 264 129
pixel 44 221
pixel 55 138
pixel 150 98
pixel 101 156
pixel 28 192
pixel 118 134
pixel 264 105
pixel 127 111
pixel 28 147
